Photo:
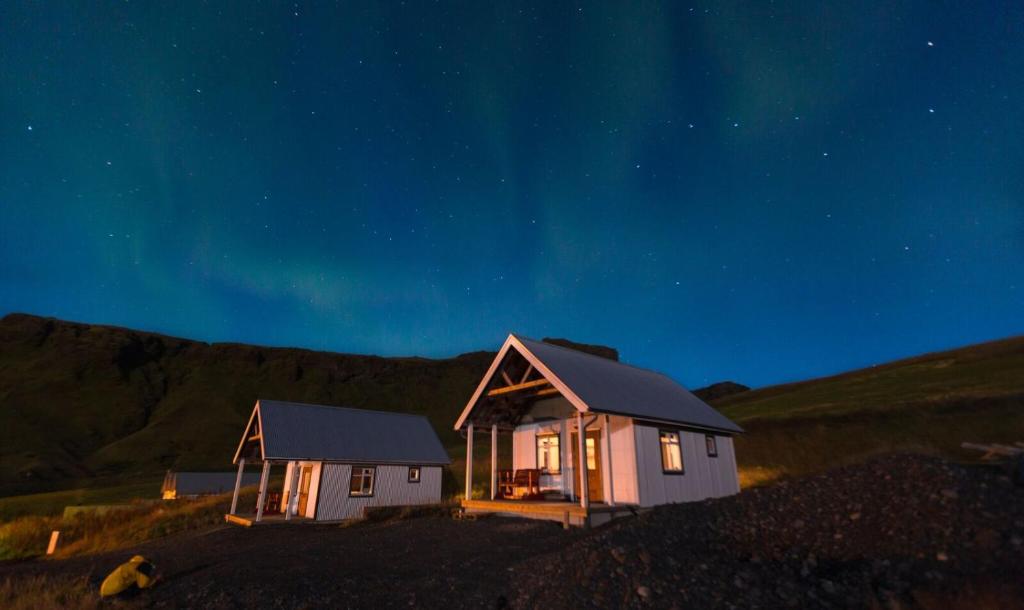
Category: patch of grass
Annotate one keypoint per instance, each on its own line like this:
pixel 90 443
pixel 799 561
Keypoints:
pixel 94 533
pixel 53 503
pixel 40 592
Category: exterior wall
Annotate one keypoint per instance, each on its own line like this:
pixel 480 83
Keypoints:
pixel 704 476
pixel 391 487
pixel 623 455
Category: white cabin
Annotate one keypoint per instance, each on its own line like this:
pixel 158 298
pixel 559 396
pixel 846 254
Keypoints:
pixel 647 440
pixel 338 461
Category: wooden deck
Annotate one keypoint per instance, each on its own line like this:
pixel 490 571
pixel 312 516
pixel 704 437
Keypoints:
pixel 275 519
pixel 568 513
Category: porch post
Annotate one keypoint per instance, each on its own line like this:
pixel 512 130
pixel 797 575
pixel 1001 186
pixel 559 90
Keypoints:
pixel 238 485
pixel 565 460
pixel 293 487
pixel 607 453
pixel 263 490
pixel 581 437
pixel 494 461
pixel 469 461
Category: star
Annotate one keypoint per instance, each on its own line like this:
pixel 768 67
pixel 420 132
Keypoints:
pixel 30 128
pixel 931 110
pixel 931 44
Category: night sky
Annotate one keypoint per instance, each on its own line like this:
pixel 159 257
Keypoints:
pixel 759 193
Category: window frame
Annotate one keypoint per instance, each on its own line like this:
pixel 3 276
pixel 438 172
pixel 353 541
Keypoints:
pixel 558 438
pixel 661 452
pixel 373 481
pixel 419 474
pixel 711 443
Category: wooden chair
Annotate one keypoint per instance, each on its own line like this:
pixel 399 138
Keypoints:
pixel 519 484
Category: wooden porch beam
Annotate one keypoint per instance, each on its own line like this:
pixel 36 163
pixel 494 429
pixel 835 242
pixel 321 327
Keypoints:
pixel 519 386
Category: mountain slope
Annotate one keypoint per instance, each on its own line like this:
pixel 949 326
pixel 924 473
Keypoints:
pixel 931 402
pixel 80 401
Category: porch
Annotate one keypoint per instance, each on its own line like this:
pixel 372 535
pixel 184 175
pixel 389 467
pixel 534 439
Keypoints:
pixel 564 512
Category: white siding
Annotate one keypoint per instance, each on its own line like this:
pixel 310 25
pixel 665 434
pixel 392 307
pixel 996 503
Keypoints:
pixel 623 456
pixel 391 487
pixel 705 477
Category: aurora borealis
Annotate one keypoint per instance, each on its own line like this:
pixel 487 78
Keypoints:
pixel 758 192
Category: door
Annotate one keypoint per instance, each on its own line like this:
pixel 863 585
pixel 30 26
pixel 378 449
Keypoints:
pixel 595 485
pixel 304 478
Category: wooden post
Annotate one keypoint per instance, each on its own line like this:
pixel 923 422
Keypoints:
pixel 469 461
pixel 565 459
pixel 581 434
pixel 54 541
pixel 293 490
pixel 494 461
pixel 607 453
pixel 263 490
pixel 238 485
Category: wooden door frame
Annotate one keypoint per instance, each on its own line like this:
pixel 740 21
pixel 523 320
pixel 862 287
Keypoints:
pixel 303 505
pixel 593 490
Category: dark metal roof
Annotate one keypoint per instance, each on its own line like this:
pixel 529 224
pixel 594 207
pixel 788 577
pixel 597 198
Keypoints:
pixel 203 483
pixel 296 431
pixel 608 386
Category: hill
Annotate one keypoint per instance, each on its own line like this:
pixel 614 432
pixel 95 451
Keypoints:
pixel 931 402
pixel 80 401
pixel 91 404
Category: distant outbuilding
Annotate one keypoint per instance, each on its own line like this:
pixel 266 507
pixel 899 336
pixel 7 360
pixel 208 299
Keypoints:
pixel 194 484
pixel 339 461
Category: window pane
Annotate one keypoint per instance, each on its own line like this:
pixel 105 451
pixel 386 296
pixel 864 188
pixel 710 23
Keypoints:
pixel 671 453
pixel 591 457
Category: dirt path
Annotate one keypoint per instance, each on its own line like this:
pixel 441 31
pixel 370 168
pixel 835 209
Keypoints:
pixel 423 562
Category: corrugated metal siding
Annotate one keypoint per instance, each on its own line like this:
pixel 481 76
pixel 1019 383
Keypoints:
pixel 706 477
pixel 391 487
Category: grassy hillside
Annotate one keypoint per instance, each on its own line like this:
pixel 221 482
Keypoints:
pixel 84 405
pixel 81 401
pixel 931 403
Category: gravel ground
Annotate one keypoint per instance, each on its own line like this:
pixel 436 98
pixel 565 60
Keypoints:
pixel 898 532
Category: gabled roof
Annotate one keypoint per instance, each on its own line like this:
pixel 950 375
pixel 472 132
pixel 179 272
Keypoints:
pixel 595 384
pixel 297 431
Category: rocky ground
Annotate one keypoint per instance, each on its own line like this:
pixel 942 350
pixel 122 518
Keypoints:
pixel 898 532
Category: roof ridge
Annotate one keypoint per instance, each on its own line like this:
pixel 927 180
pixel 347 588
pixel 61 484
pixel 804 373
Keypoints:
pixel 589 355
pixel 341 408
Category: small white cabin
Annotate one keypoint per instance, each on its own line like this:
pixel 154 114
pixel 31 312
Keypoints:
pixel 338 461
pixel 647 440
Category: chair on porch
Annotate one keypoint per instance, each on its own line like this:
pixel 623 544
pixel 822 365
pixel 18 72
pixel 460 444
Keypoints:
pixel 522 484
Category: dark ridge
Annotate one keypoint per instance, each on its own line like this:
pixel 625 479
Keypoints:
pixel 718 390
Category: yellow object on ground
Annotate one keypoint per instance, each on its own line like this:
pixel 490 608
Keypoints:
pixel 136 571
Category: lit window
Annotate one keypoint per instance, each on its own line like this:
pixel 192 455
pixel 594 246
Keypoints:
pixel 548 454
pixel 414 474
pixel 362 481
pixel 712 444
pixel 671 452
pixel 591 455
